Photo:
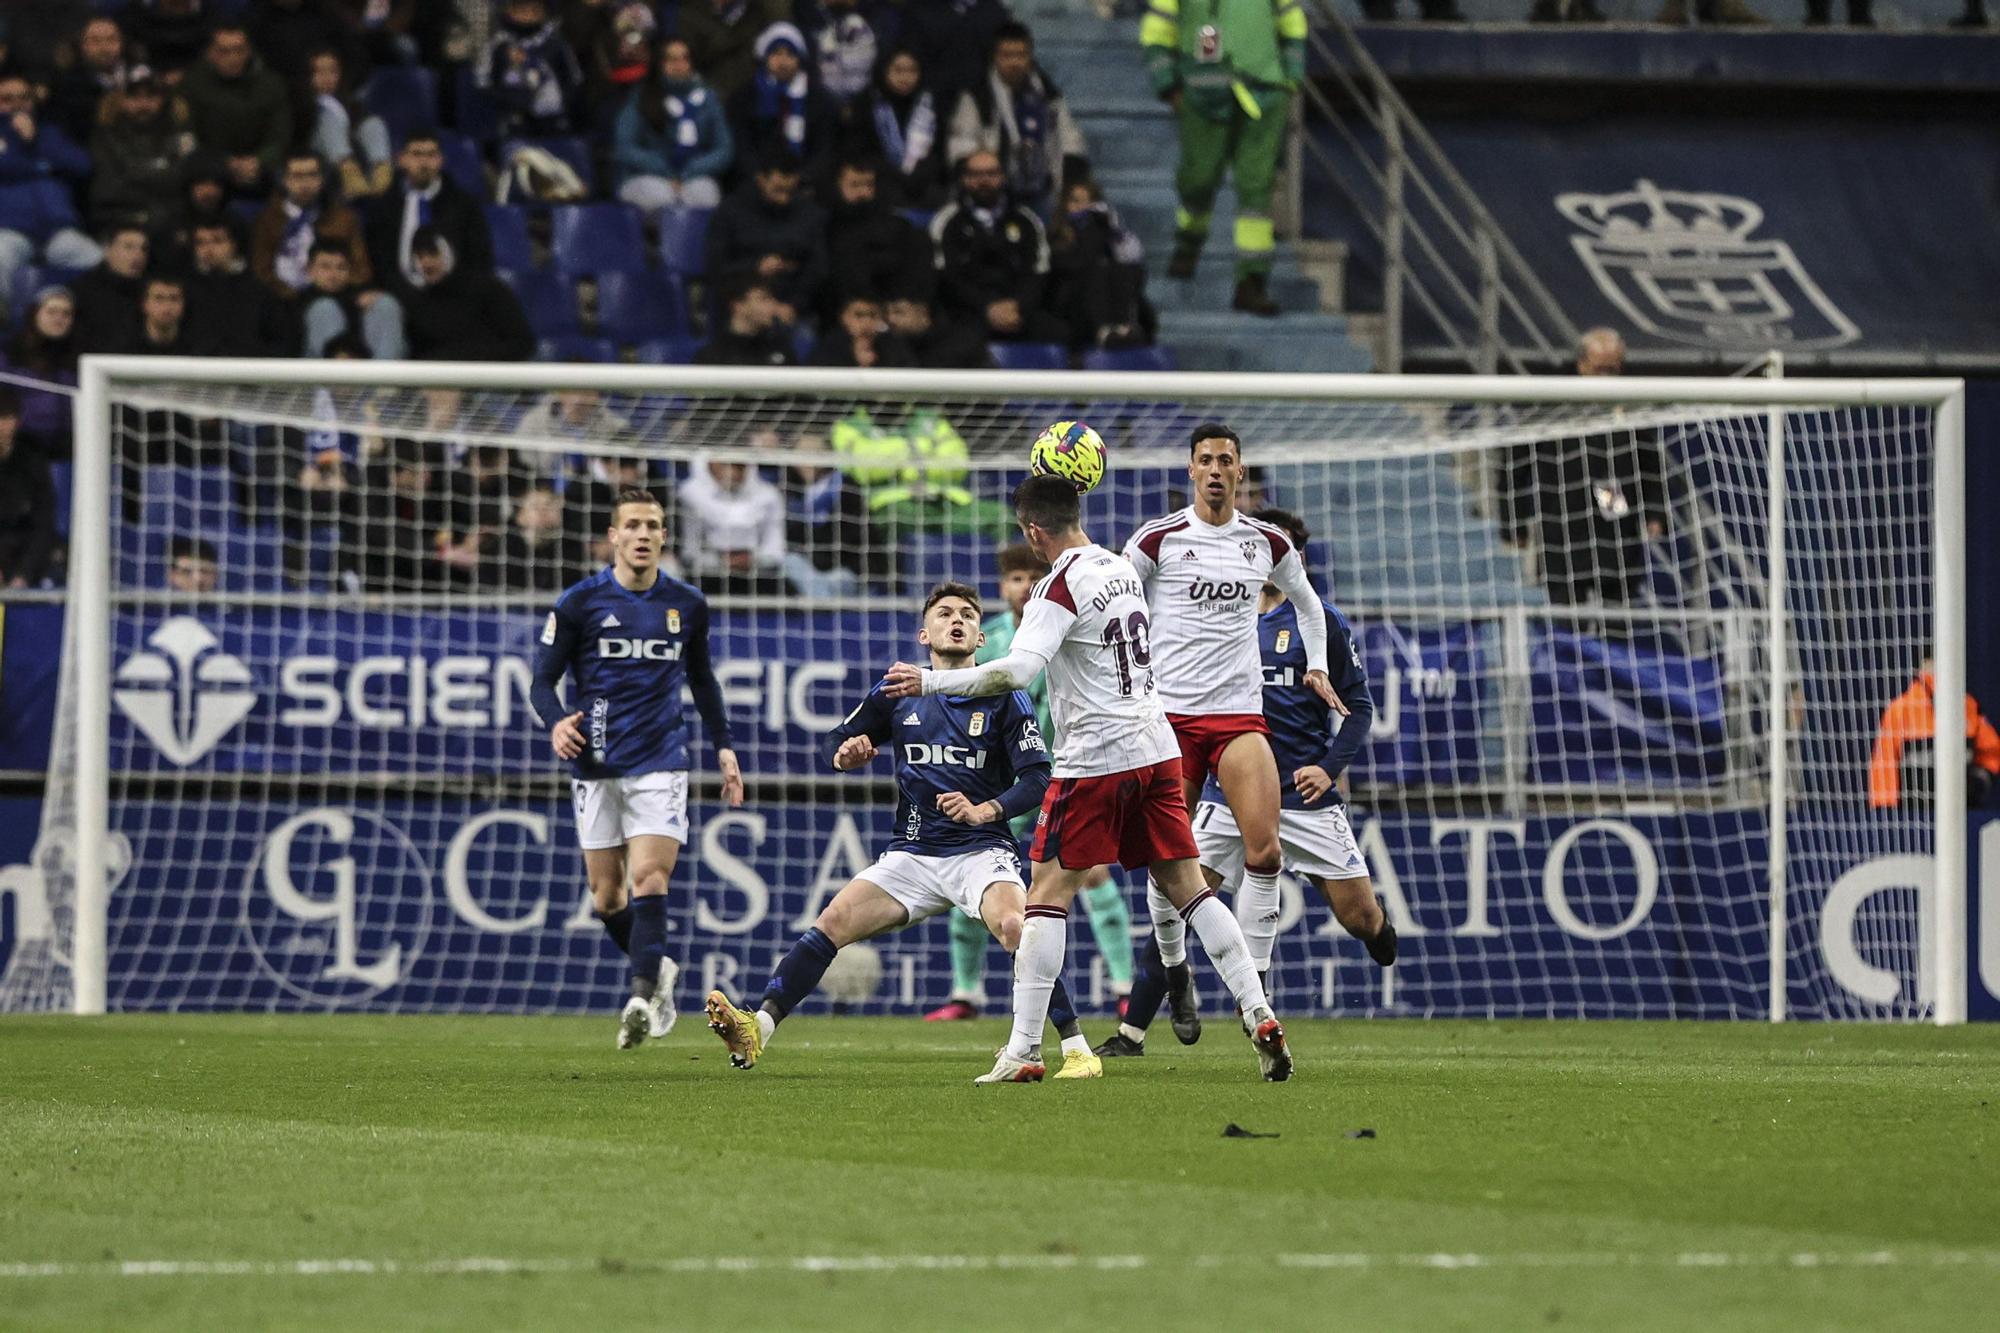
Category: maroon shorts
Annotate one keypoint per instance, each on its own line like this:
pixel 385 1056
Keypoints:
pixel 1205 736
pixel 1134 818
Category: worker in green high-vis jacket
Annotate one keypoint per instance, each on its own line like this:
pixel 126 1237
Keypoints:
pixel 1228 68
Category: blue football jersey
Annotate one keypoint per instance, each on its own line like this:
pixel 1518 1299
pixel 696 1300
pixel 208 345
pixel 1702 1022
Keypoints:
pixel 980 746
pixel 628 655
pixel 1302 730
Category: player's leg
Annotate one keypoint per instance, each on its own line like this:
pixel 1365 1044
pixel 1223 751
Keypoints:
pixel 860 910
pixel 604 870
pixel 1111 926
pixel 1321 845
pixel 1198 755
pixel 1038 966
pixel 1360 914
pixel 1150 980
pixel 968 971
pixel 1249 777
pixel 1003 909
pixel 649 861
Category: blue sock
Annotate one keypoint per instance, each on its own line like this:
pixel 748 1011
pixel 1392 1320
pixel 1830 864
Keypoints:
pixel 618 925
pixel 1062 1012
pixel 649 942
pixel 1149 987
pixel 799 972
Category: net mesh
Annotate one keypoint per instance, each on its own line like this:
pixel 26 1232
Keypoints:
pixel 328 788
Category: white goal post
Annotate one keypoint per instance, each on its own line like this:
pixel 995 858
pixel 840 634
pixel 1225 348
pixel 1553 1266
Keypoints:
pixel 1773 821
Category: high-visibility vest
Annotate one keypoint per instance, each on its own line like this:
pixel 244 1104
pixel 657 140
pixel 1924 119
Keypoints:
pixel 899 467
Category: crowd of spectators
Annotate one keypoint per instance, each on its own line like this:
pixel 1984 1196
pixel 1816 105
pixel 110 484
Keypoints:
pixel 881 182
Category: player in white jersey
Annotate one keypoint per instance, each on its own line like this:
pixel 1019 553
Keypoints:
pixel 1117 792
pixel 1204 568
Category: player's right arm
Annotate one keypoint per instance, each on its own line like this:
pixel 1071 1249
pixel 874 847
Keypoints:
pixel 1043 625
pixel 852 744
pixel 560 637
pixel 1144 564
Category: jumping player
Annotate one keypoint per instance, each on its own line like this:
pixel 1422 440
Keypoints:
pixel 630 637
pixel 1313 833
pixel 964 767
pixel 1104 901
pixel 1117 790
pixel 1203 569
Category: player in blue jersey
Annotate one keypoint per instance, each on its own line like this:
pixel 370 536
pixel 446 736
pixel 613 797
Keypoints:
pixel 630 637
pixel 964 767
pixel 1313 833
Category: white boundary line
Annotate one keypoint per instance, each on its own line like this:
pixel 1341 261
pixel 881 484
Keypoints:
pixel 950 1263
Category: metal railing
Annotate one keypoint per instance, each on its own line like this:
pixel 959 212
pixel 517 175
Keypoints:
pixel 1444 257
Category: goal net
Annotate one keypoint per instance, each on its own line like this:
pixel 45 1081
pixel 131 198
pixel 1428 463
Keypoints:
pixel 1627 756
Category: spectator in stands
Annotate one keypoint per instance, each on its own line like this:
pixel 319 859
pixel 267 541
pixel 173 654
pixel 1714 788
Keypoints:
pixel 1902 767
pixel 538 551
pixel 192 565
pixel 138 152
pixel 332 304
pixel 870 245
pixel 304 214
pixel 1017 113
pixel 347 137
pixel 953 39
pixel 577 415
pixel 844 47
pixel 27 503
pixel 722 37
pixel 239 109
pixel 172 33
pixel 767 229
pixel 672 146
pixel 461 314
pixel 530 72
pixel 39 168
pixel 831 547
pixel 860 337
pixel 107 297
pixel 203 197
pixel 163 326
pixel 288 34
pixel 993 258
pixel 1097 282
pixel 613 39
pixel 427 197
pixel 45 350
pixel 936 346
pixel 479 501
pixel 394 531
pixel 752 334
pixel 99 68
pixel 385 29
pixel 732 529
pixel 781 110
pixel 899 123
pixel 229 311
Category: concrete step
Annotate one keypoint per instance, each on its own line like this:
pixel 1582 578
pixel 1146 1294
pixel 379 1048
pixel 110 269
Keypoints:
pixel 1215 284
pixel 1226 340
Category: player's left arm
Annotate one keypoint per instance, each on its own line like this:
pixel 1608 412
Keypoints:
pixel 1290 576
pixel 1043 625
pixel 1351 684
pixel 560 636
pixel 708 702
pixel 1028 754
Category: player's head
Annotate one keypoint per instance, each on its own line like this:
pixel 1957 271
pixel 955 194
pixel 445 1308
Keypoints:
pixel 1048 510
pixel 1215 464
pixel 1020 567
pixel 1292 526
pixel 638 529
pixel 950 626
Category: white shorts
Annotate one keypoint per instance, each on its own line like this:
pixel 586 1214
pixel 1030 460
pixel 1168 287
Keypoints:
pixel 610 812
pixel 927 885
pixel 1313 842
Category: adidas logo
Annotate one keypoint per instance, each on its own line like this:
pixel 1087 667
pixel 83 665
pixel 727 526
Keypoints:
pixel 1189 554
pixel 610 622
pixel 912 720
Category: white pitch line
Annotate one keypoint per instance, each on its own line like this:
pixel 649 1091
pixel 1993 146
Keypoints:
pixel 1441 1261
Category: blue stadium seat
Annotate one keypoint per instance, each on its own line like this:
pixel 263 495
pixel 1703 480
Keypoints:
pixel 569 147
pixel 463 164
pixel 477 116
pixel 667 351
pixel 187 499
pixel 597 238
pixel 1029 356
pixel 404 96
pixel 248 563
pixel 511 247
pixel 576 347
pixel 920 218
pixel 636 307
pixel 805 339
pixel 684 240
pixel 1131 358
pixel 549 302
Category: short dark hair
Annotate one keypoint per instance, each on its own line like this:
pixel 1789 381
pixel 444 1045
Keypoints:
pixel 867 162
pixel 950 588
pixel 635 495
pixel 1294 526
pixel 117 229
pixel 1049 503
pixel 324 246
pixel 1018 556
pixel 305 155
pixel 423 135
pixel 1013 30
pixel 161 280
pixel 738 290
pixel 200 548
pixel 778 161
pixel 1214 430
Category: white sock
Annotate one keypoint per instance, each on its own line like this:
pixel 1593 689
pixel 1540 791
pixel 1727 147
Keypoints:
pixel 1131 1033
pixel 766 1025
pixel 1168 926
pixel 1222 941
pixel 1257 913
pixel 1077 1045
pixel 1037 963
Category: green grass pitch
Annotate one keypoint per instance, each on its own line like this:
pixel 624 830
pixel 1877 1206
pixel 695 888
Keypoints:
pixel 346 1172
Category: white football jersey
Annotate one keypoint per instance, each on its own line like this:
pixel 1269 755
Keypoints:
pixel 1202 583
pixel 1088 619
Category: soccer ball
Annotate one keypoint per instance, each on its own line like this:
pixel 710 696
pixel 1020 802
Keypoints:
pixel 1072 451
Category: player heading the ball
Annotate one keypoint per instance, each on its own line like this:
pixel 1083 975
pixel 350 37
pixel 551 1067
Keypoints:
pixel 964 767
pixel 1117 791
pixel 630 637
